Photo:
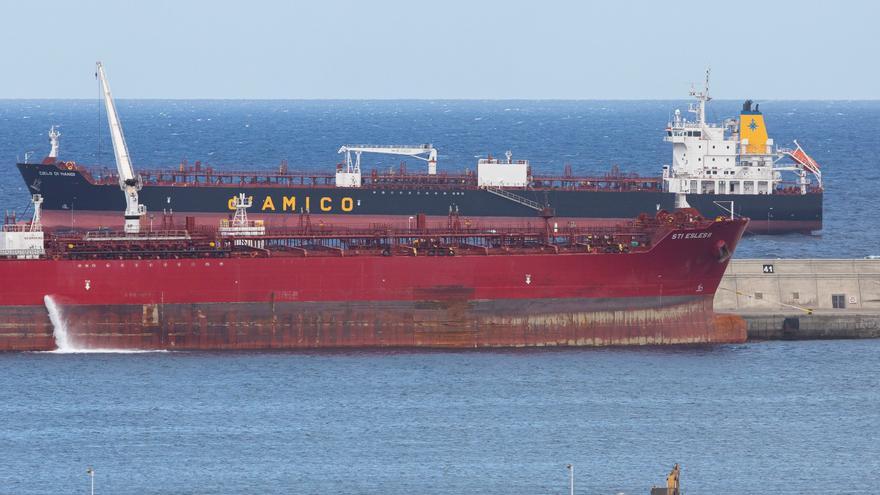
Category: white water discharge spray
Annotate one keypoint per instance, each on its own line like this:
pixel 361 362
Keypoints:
pixel 64 341
pixel 59 326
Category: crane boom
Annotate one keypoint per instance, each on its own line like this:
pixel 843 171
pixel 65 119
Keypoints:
pixel 414 151
pixel 123 161
pixel 128 181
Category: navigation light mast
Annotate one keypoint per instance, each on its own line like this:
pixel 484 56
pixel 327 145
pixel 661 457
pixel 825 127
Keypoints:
pixel 702 98
pixel 54 134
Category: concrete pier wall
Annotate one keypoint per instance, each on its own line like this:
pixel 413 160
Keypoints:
pixel 820 325
pixel 803 299
pixel 748 285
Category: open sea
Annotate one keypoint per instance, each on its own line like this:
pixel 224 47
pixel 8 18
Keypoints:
pixel 763 418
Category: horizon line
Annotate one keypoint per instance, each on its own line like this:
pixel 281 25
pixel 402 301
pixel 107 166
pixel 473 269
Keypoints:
pixel 153 98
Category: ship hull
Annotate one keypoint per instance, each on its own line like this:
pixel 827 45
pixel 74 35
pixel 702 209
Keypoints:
pixel 660 296
pixel 438 323
pixel 71 200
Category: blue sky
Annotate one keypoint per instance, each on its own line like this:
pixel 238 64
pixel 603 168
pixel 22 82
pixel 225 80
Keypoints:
pixel 441 49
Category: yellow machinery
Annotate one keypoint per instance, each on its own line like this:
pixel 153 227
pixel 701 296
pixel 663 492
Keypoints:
pixel 672 483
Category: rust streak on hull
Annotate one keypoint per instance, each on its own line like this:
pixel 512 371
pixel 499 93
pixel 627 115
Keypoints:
pixel 451 323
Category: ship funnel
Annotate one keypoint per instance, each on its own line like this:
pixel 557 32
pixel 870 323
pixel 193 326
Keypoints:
pixel 752 132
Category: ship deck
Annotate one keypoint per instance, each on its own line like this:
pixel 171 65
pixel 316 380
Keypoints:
pixel 307 240
pixel 199 176
pixel 206 176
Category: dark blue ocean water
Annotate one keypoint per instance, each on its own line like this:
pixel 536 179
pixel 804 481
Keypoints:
pixel 843 136
pixel 776 418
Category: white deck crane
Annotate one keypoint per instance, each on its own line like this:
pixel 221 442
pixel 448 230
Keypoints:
pixel 350 176
pixel 128 181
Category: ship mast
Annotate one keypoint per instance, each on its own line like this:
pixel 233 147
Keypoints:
pixel 702 98
pixel 128 181
pixel 53 142
pixel 36 224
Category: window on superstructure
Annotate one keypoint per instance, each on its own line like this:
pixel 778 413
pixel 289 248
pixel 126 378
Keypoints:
pixel 708 187
pixel 763 187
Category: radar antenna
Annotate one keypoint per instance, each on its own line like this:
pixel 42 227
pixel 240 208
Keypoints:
pixel 702 98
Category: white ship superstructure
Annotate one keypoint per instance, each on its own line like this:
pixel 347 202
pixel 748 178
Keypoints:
pixel 736 157
pixel 23 240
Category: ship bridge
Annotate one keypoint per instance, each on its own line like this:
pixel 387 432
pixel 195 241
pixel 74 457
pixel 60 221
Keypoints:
pixel 736 157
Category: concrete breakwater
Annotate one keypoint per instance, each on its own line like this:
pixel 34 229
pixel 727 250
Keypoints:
pixel 803 299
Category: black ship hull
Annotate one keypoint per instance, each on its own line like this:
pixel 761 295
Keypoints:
pixel 72 200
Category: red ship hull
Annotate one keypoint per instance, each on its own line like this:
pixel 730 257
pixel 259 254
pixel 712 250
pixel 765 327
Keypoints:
pixel 659 296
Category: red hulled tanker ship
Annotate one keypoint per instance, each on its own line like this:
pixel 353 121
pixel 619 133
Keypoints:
pixel 244 285
pixel 648 281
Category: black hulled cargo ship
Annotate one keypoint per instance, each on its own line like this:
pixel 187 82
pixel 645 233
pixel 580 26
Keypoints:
pixel 721 170
pixel 76 198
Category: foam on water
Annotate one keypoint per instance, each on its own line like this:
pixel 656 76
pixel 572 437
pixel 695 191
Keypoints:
pixel 63 340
